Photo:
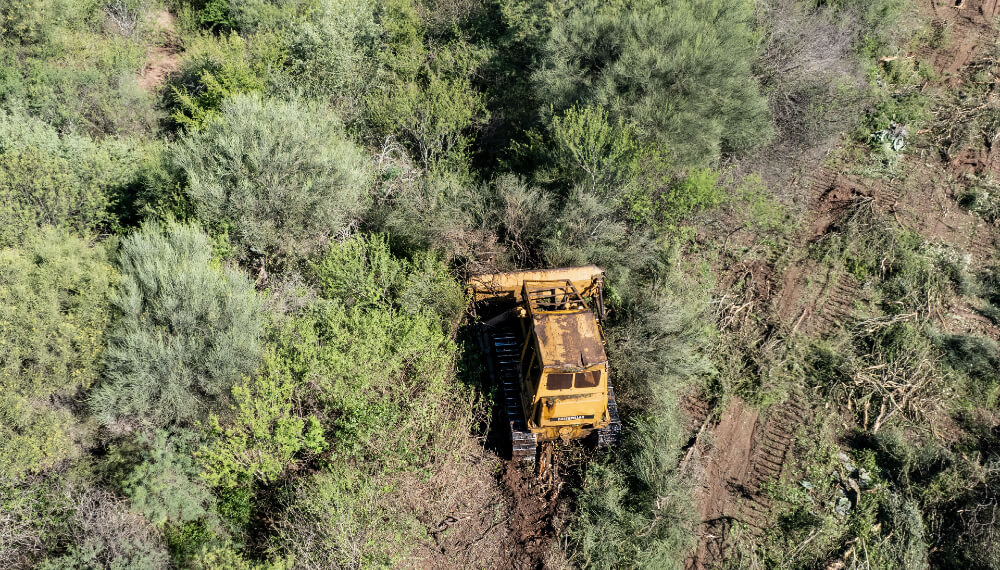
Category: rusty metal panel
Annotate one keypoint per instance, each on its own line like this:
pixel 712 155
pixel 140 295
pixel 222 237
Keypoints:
pixel 569 340
pixel 585 278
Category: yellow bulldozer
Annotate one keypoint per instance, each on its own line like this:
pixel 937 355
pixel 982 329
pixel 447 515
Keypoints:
pixel 544 336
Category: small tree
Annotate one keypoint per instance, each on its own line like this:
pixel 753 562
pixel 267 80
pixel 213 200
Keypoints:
pixel 281 177
pixel 165 487
pixel 680 70
pixel 185 332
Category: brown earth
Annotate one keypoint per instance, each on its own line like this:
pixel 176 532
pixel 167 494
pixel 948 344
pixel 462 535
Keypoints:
pixel 162 57
pixel 533 508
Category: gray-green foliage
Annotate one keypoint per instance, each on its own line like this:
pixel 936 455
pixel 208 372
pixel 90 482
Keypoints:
pixel 53 315
pixel 58 180
pixel 59 521
pixel 505 219
pixel 331 52
pixel 165 487
pixel 102 532
pixel 280 177
pixel 186 330
pixel 680 70
pixel 589 229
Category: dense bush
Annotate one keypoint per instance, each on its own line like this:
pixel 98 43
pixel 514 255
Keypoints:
pixel 279 177
pixel 64 181
pixel 60 522
pixel 103 532
pixel 699 100
pixel 154 414
pixel 499 223
pixel 185 331
pixel 53 314
pixel 212 70
pixel 58 65
pixel 363 273
pixel 355 389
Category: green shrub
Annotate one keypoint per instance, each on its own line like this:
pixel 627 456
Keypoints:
pixel 680 71
pixel 373 375
pixel 332 53
pixel 25 22
pixel 351 521
pixel 362 272
pixel 230 558
pixel 279 177
pixel 265 436
pixel 184 333
pixel 212 70
pixel 53 314
pixel 165 487
pixel 433 119
pixel 587 146
pixel 699 190
pixel 874 21
pixel 63 181
pixel 635 509
pixel 68 73
pixel 379 380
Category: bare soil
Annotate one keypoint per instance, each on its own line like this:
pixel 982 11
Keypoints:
pixel 162 57
pixel 533 508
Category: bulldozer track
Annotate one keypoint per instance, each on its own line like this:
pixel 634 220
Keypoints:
pixel 834 310
pixel 818 183
pixel 696 409
pixel 766 464
pixel 982 246
pixel 612 434
pixel 506 355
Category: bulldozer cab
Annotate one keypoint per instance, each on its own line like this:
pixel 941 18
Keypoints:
pixel 564 366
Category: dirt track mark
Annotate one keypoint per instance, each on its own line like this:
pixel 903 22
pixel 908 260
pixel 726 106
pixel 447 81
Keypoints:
pixel 834 306
pixel 726 461
pixel 732 493
pixel 773 441
pixel 162 58
pixel 970 24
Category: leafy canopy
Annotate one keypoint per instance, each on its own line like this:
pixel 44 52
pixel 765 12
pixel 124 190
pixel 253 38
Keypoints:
pixel 678 69
pixel 53 315
pixel 280 177
pixel 58 180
